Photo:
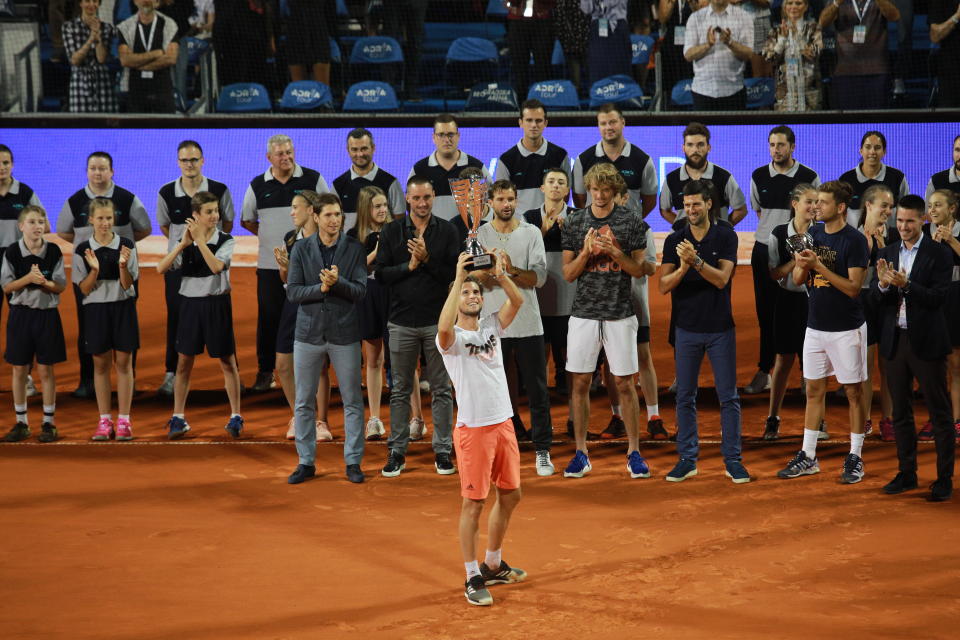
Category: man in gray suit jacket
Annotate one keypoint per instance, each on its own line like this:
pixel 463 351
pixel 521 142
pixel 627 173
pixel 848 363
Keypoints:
pixel 327 277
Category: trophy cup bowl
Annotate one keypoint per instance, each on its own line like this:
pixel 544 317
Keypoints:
pixel 470 194
pixel 799 242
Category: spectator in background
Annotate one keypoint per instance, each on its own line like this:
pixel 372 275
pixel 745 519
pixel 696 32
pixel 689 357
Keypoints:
pixel 718 40
pixel 673 15
pixel 572 27
pixel 202 18
pixel 608 51
pixel 308 38
pixel 364 172
pixel 180 11
pixel 529 32
pixel 242 39
pixel 793 48
pixel 860 77
pixel 759 12
pixel 944 17
pixel 148 47
pixel 87 41
pixel 403 20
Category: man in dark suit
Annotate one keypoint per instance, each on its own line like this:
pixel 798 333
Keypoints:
pixel 911 281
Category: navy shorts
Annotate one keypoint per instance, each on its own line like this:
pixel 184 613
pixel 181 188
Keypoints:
pixel 34 333
pixel 789 321
pixel 111 325
pixel 288 327
pixel 373 310
pixel 206 322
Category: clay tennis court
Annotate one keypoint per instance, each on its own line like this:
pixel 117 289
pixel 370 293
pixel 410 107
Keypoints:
pixel 204 538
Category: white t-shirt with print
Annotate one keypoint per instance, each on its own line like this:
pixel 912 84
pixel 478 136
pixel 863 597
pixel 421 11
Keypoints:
pixel 475 364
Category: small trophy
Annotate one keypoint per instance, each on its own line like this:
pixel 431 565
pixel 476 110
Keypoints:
pixel 470 194
pixel 798 242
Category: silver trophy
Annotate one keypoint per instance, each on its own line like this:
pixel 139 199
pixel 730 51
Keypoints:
pixel 470 194
pixel 799 242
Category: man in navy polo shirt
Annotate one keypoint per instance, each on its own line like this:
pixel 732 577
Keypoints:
pixel 698 263
pixel 836 338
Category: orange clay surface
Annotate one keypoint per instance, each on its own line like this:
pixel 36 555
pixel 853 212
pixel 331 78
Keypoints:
pixel 205 539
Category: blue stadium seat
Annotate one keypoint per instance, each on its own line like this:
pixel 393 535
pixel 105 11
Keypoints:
pixel 195 48
pixel 761 93
pixel 619 89
pixel 682 95
pixel 306 95
pixel 555 94
pixel 342 9
pixel 371 95
pixel 372 55
pixel 497 9
pixel 244 97
pixel 492 96
pixel 641 47
pixel 476 59
pixel 335 55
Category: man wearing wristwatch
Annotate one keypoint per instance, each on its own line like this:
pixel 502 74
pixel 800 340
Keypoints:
pixel 698 263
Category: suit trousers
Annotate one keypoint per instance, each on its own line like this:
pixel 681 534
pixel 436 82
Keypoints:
pixel 932 376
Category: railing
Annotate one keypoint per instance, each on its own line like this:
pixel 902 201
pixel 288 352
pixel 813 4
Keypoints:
pixel 22 60
pixel 207 101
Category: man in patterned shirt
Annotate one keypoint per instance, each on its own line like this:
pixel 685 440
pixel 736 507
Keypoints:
pixel 603 249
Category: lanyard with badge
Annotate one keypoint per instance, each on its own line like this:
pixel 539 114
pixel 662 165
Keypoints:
pixel 795 98
pixel 679 31
pixel 147 41
pixel 603 24
pixel 860 30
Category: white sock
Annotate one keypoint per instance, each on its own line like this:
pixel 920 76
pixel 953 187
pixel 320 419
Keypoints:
pixel 493 559
pixel 473 568
pixel 235 415
pixel 48 411
pixel 810 442
pixel 653 411
pixel 104 416
pixel 21 411
pixel 124 416
pixel 178 415
pixel 615 409
pixel 856 443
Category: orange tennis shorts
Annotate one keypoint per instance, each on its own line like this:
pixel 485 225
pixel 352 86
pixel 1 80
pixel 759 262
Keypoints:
pixel 484 455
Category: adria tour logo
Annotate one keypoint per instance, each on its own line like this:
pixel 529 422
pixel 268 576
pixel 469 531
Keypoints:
pixel 305 95
pixel 247 94
pixel 610 90
pixel 550 89
pixel 371 94
pixel 378 50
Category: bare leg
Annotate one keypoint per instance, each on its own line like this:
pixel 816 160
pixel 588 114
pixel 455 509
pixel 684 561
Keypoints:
pixel 373 357
pixel 813 413
pixel 124 381
pixel 631 410
pixel 101 380
pixel 231 382
pixel 499 518
pixel 610 382
pixel 297 72
pixel 647 374
pixel 181 383
pixel 20 384
pixel 285 373
pixel 855 398
pixel 49 384
pixel 778 382
pixel 470 528
pixel 321 72
pixel 580 401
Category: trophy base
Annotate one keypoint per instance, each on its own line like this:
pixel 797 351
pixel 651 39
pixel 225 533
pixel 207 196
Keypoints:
pixel 480 262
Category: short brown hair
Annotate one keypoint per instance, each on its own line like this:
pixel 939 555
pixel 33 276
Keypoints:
pixel 697 129
pixel 201 198
pixel 446 118
pixel 100 203
pixel 502 185
pixel 476 281
pixel 30 208
pixel 841 191
pixel 323 200
pixel 604 174
pixel 610 108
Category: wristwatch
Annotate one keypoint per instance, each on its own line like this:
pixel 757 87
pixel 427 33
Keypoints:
pixel 698 263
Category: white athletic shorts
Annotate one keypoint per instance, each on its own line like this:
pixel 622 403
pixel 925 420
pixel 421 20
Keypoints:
pixel 839 353
pixel 617 337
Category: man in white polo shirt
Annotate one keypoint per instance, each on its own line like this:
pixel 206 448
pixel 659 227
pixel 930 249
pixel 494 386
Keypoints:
pixel 718 42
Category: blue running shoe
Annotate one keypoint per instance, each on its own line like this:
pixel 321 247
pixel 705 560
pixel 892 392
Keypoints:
pixel 578 467
pixel 235 426
pixel 178 428
pixel 685 468
pixel 637 466
pixel 737 472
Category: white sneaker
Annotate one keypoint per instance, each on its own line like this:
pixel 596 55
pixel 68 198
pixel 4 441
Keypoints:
pixel 291 429
pixel 375 429
pixel 418 428
pixel 166 387
pixel 759 384
pixel 31 388
pixel 323 432
pixel 544 466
